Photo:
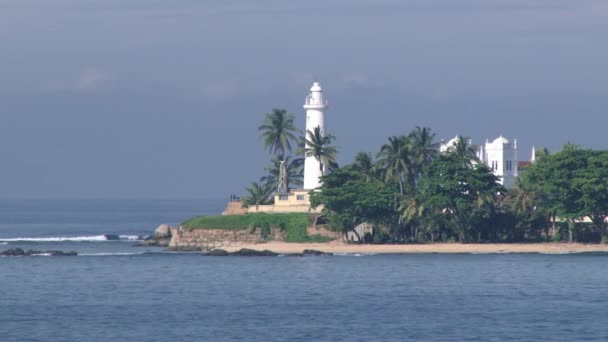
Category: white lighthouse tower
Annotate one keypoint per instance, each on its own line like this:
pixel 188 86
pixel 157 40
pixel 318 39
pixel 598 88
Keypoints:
pixel 315 105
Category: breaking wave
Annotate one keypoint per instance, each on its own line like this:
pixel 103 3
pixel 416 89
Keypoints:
pixel 89 238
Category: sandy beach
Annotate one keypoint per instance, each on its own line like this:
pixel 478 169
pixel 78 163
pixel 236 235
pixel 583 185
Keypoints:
pixel 338 247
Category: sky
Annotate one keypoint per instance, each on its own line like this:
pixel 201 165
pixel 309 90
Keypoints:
pixel 162 99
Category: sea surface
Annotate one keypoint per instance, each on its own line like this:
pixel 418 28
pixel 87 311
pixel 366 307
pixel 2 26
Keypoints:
pixel 113 291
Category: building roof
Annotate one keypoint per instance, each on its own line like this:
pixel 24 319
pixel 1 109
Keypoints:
pixel 500 140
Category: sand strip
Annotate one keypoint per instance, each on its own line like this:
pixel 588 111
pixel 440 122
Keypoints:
pixel 335 247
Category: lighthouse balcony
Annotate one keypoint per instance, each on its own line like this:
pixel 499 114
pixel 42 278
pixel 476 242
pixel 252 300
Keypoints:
pixel 312 101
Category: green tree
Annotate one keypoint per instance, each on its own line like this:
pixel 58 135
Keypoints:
pixel 258 194
pixel 319 146
pixel 558 175
pixel 350 200
pixel 278 132
pixel 464 150
pixel 593 184
pixel 463 193
pixel 365 165
pixel 423 150
pixel 393 162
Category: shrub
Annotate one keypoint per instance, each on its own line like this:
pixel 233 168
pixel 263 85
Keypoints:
pixel 294 224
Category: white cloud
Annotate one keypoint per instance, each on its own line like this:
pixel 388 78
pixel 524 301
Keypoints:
pixel 92 77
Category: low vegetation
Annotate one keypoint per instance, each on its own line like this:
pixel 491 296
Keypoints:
pixel 294 224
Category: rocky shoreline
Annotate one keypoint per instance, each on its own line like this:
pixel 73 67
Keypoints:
pixel 31 252
pixel 160 238
pixel 252 252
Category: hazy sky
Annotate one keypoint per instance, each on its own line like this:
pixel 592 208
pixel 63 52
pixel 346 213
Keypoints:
pixel 151 98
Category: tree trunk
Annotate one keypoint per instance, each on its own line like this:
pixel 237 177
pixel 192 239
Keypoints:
pixel 570 231
pixel 553 230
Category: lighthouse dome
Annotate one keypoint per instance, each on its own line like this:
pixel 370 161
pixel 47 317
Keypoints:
pixel 316 87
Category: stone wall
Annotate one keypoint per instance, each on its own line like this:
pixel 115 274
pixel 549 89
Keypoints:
pixel 322 231
pixel 208 239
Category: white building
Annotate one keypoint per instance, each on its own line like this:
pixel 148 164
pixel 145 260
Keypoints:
pixel 499 155
pixel 315 105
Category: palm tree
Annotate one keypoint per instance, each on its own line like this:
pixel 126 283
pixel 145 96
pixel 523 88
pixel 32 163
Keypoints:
pixel 464 150
pixel 318 146
pixel 364 164
pixel 278 132
pixel 524 201
pixel 412 210
pixel 293 169
pixel 423 149
pixel 393 161
pixel 258 194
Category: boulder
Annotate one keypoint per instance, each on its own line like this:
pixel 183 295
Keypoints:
pixel 62 253
pixel 31 252
pixel 253 252
pixel 162 232
pixel 216 252
pixel 314 252
pixel 13 252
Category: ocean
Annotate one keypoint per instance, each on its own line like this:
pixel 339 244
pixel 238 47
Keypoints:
pixel 113 291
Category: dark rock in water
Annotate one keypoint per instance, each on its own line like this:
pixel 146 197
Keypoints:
pixel 112 237
pixel 152 242
pixel 13 252
pixel 315 252
pixel 62 253
pixel 295 254
pixel 253 252
pixel 31 252
pixel 216 252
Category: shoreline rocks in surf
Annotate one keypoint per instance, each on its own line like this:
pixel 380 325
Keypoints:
pixel 31 252
pixel 252 252
pixel 160 238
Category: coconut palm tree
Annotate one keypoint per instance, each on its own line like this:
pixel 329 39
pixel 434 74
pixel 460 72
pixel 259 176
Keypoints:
pixel 319 147
pixel 393 161
pixel 464 150
pixel 258 194
pixel 278 132
pixel 422 149
pixel 364 164
pixel 293 168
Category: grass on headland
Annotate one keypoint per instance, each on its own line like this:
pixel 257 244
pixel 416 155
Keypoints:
pixel 294 224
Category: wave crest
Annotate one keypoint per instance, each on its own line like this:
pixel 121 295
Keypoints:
pixel 90 238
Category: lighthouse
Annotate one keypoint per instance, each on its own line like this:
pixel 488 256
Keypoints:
pixel 315 105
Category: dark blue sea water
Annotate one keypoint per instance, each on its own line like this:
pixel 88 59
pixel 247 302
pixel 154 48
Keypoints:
pixel 114 294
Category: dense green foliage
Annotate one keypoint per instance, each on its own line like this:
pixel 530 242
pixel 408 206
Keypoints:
pixel 294 224
pixel 350 199
pixel 570 185
pixel 413 193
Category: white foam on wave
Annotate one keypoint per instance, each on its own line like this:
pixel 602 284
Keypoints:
pixel 3 243
pixel 90 238
pixel 130 237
